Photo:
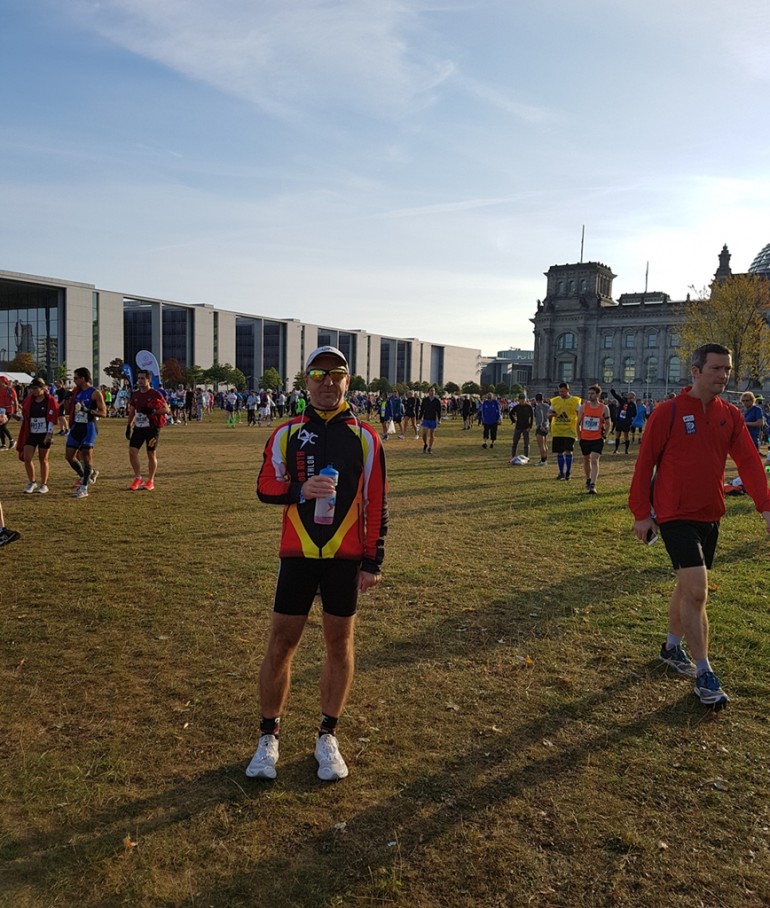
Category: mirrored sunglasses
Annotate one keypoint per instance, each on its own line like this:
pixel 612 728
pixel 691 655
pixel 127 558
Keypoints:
pixel 337 375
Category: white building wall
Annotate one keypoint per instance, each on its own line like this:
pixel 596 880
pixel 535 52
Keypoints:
pixel 110 332
pixel 295 349
pixel 359 366
pixel 79 329
pixel 226 338
pixel 203 336
pixel 461 364
pixel 374 366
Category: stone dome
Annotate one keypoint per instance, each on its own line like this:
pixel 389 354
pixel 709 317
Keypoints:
pixel 761 264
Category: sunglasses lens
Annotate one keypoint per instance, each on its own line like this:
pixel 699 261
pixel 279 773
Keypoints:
pixel 336 375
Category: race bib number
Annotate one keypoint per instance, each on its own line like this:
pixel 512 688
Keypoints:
pixel 81 416
pixel 591 423
pixel 141 421
pixel 37 425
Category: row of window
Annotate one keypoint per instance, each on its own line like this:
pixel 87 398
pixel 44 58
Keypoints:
pixel 570 288
pixel 568 341
pixel 628 373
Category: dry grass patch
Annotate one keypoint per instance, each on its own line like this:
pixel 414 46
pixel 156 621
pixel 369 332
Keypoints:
pixel 511 737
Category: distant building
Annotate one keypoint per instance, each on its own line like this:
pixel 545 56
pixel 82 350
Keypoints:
pixel 583 335
pixel 509 367
pixel 66 321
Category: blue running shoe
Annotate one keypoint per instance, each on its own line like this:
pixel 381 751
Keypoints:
pixel 677 658
pixel 709 691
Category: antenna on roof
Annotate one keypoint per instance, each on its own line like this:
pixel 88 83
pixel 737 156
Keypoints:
pixel 646 276
pixel 582 240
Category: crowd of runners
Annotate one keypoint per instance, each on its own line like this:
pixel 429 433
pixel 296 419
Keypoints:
pixel 692 434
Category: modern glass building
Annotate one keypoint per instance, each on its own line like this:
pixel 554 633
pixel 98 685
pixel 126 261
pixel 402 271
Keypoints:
pixel 31 321
pixel 59 321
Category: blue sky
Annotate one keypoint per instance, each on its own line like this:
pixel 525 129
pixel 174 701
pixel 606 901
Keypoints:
pixel 411 168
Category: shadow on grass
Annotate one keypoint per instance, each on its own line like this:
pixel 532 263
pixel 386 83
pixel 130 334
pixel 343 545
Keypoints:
pixel 453 793
pixel 524 614
pixel 473 782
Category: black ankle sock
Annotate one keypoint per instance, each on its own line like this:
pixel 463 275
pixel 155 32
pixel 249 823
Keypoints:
pixel 328 725
pixel 270 726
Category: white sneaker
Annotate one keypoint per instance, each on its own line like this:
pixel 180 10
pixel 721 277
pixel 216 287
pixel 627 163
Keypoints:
pixel 80 492
pixel 263 762
pixel 42 489
pixel 30 488
pixel 93 477
pixel 331 766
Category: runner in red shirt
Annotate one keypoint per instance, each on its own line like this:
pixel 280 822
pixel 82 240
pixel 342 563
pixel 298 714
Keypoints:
pixel 685 445
pixel 147 411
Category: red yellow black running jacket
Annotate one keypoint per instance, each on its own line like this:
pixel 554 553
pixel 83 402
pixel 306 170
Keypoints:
pixel 301 448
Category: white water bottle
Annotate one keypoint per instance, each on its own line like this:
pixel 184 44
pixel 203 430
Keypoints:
pixel 324 507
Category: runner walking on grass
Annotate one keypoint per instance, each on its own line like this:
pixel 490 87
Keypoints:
pixel 40 415
pixel 147 410
pixel 685 445
pixel 593 426
pixel 87 406
pixel 430 415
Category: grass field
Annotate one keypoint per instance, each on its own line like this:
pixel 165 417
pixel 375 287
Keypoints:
pixel 511 736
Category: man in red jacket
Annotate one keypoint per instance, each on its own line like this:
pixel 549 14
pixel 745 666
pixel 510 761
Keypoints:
pixel 688 440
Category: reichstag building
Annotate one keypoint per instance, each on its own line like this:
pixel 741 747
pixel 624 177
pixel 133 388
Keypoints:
pixel 583 335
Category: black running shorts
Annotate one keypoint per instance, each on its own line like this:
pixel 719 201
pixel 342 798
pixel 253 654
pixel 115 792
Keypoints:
pixel 562 445
pixel 690 543
pixel 148 435
pixel 592 446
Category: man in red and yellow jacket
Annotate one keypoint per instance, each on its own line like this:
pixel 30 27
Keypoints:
pixel 327 469
pixel 685 446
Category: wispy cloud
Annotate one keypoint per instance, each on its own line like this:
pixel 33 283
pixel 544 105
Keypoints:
pixel 287 57
pixel 502 100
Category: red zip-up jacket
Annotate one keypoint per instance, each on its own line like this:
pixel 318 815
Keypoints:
pixel 301 448
pixel 690 448
pixel 52 416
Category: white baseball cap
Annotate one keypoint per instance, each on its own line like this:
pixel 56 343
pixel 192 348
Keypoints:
pixel 327 351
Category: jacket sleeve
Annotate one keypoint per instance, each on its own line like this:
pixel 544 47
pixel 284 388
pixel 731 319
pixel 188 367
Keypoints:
pixel 375 505
pixel 21 440
pixel 274 484
pixel 53 411
pixel 653 442
pixel 743 451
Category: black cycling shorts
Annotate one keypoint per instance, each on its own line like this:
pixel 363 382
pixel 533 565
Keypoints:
pixel 301 579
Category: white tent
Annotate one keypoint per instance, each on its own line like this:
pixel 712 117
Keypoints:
pixel 17 376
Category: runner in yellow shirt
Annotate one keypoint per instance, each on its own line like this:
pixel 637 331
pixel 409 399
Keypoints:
pixel 564 418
